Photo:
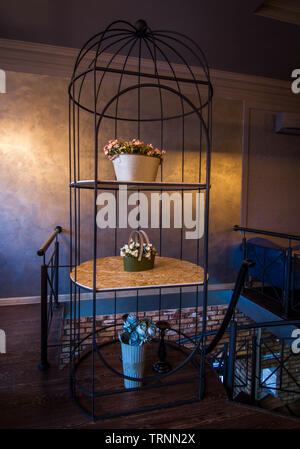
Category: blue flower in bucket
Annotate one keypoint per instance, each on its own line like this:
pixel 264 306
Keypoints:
pixel 137 332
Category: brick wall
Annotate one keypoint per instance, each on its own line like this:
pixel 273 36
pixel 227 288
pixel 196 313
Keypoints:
pixel 189 321
pixel 281 360
pixel 288 373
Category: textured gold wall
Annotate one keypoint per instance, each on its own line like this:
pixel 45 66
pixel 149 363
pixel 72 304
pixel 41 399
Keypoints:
pixel 34 179
pixel 34 175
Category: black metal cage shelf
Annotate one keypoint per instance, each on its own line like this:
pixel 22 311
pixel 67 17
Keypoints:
pixel 130 81
pixel 138 185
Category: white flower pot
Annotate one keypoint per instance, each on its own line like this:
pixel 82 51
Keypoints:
pixel 136 167
pixel 133 359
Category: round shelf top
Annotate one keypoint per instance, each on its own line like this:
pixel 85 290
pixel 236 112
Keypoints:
pixel 110 274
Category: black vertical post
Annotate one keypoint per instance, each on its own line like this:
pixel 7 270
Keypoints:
pixel 225 363
pixel 253 370
pixel 56 303
pixel 244 247
pixel 44 365
pixel 231 360
pixel 162 366
pixel 287 287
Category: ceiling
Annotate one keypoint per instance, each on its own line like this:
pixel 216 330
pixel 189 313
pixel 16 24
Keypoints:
pixel 232 36
pixel 284 10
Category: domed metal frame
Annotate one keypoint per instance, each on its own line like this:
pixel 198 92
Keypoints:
pixel 110 52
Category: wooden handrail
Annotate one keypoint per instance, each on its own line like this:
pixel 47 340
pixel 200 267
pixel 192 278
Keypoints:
pixel 43 249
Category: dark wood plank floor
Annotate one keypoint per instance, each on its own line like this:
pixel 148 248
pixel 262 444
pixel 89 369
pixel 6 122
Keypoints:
pixel 31 399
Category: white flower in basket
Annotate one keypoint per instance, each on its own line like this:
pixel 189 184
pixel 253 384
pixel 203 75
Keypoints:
pixel 138 255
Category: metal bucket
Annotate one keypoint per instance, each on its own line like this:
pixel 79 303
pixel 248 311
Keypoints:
pixel 133 359
pixel 136 167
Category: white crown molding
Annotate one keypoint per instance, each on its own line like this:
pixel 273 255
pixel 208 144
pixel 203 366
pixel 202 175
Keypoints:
pixel 44 59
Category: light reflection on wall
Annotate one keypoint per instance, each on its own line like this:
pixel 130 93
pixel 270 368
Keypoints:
pixel 34 179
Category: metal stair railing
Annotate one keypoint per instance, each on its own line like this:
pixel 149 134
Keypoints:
pixel 49 302
pixel 286 295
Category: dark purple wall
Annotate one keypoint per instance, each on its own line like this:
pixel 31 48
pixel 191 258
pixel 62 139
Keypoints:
pixel 233 38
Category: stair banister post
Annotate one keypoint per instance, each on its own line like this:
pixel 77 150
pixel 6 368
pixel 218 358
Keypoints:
pixel 231 360
pixel 44 365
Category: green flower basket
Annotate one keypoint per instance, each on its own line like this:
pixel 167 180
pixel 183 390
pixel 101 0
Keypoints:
pixel 136 253
pixel 133 264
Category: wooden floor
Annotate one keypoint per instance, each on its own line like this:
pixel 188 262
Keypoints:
pixel 32 399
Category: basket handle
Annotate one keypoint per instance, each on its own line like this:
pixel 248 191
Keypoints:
pixel 145 235
pixel 139 237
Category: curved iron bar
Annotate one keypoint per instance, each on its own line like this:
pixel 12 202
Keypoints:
pixel 94 60
pixel 155 46
pixel 112 58
pixel 130 33
pixel 187 65
pixel 105 69
pixel 119 87
pixel 104 37
pixel 90 65
pixel 204 66
pixel 108 38
pixel 139 92
pixel 144 387
pixel 233 302
pixel 142 379
pixel 154 58
pixel 167 34
pixel 184 62
pixel 188 101
pixel 123 118
pixel 100 35
pixel 161 376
